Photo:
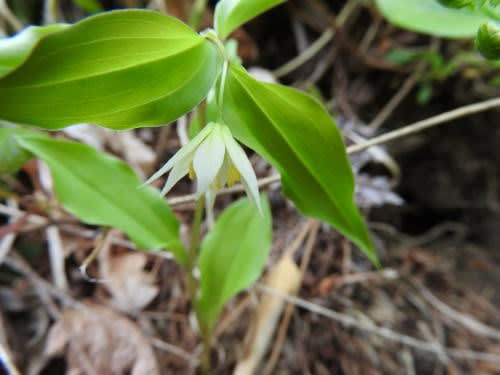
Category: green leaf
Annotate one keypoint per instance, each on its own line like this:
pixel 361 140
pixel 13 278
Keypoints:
pixel 102 190
pixel 404 56
pixel 424 93
pixel 488 41
pixel 91 6
pixel 12 157
pixel 233 255
pixel 15 50
pixel 230 14
pixel 120 69
pixel 298 137
pixel 430 17
pixel 471 4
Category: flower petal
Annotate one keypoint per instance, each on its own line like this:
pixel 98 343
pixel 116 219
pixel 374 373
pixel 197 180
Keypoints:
pixel 242 164
pixel 183 152
pixel 221 178
pixel 208 160
pixel 210 196
pixel 180 170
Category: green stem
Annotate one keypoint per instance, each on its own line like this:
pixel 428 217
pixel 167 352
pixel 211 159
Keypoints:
pixel 205 356
pixel 212 36
pixel 195 230
pixel 196 13
pixel 192 283
pixel 220 96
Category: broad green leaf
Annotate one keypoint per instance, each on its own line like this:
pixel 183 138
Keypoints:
pixel 15 50
pixel 120 69
pixel 430 17
pixel 102 190
pixel 298 137
pixel 12 156
pixel 233 255
pixel 91 6
pixel 230 14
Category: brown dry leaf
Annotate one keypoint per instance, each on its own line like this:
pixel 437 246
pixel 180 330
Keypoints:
pixel 490 367
pixel 124 277
pixel 138 154
pixel 135 152
pixel 182 9
pixel 285 278
pixel 89 134
pixel 247 48
pixel 98 341
pixel 179 8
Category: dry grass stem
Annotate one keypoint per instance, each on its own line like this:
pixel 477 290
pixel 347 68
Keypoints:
pixel 386 333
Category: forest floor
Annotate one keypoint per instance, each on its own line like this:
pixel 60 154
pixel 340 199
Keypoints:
pixel 431 201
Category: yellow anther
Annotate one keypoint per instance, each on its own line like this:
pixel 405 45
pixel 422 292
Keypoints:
pixel 192 173
pixel 233 176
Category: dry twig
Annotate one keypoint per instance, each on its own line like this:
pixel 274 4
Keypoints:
pixel 8 240
pixel 464 320
pixel 384 332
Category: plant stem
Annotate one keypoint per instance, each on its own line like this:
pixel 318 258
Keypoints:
pixel 205 356
pixel 196 13
pixel 195 230
pixel 220 96
pixel 192 283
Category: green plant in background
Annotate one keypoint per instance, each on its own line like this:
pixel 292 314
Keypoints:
pixel 135 68
pixel 450 19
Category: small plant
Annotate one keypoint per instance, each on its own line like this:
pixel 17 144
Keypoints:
pixel 136 68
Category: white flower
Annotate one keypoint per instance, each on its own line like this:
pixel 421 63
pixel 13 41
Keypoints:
pixel 215 159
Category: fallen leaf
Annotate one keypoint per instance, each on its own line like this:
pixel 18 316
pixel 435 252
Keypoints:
pixel 285 278
pixel 131 287
pixel 135 152
pixel 179 8
pixel 94 136
pixel 139 155
pixel 247 48
pixel 99 341
pixel 375 192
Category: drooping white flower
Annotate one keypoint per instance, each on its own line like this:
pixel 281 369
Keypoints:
pixel 215 159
